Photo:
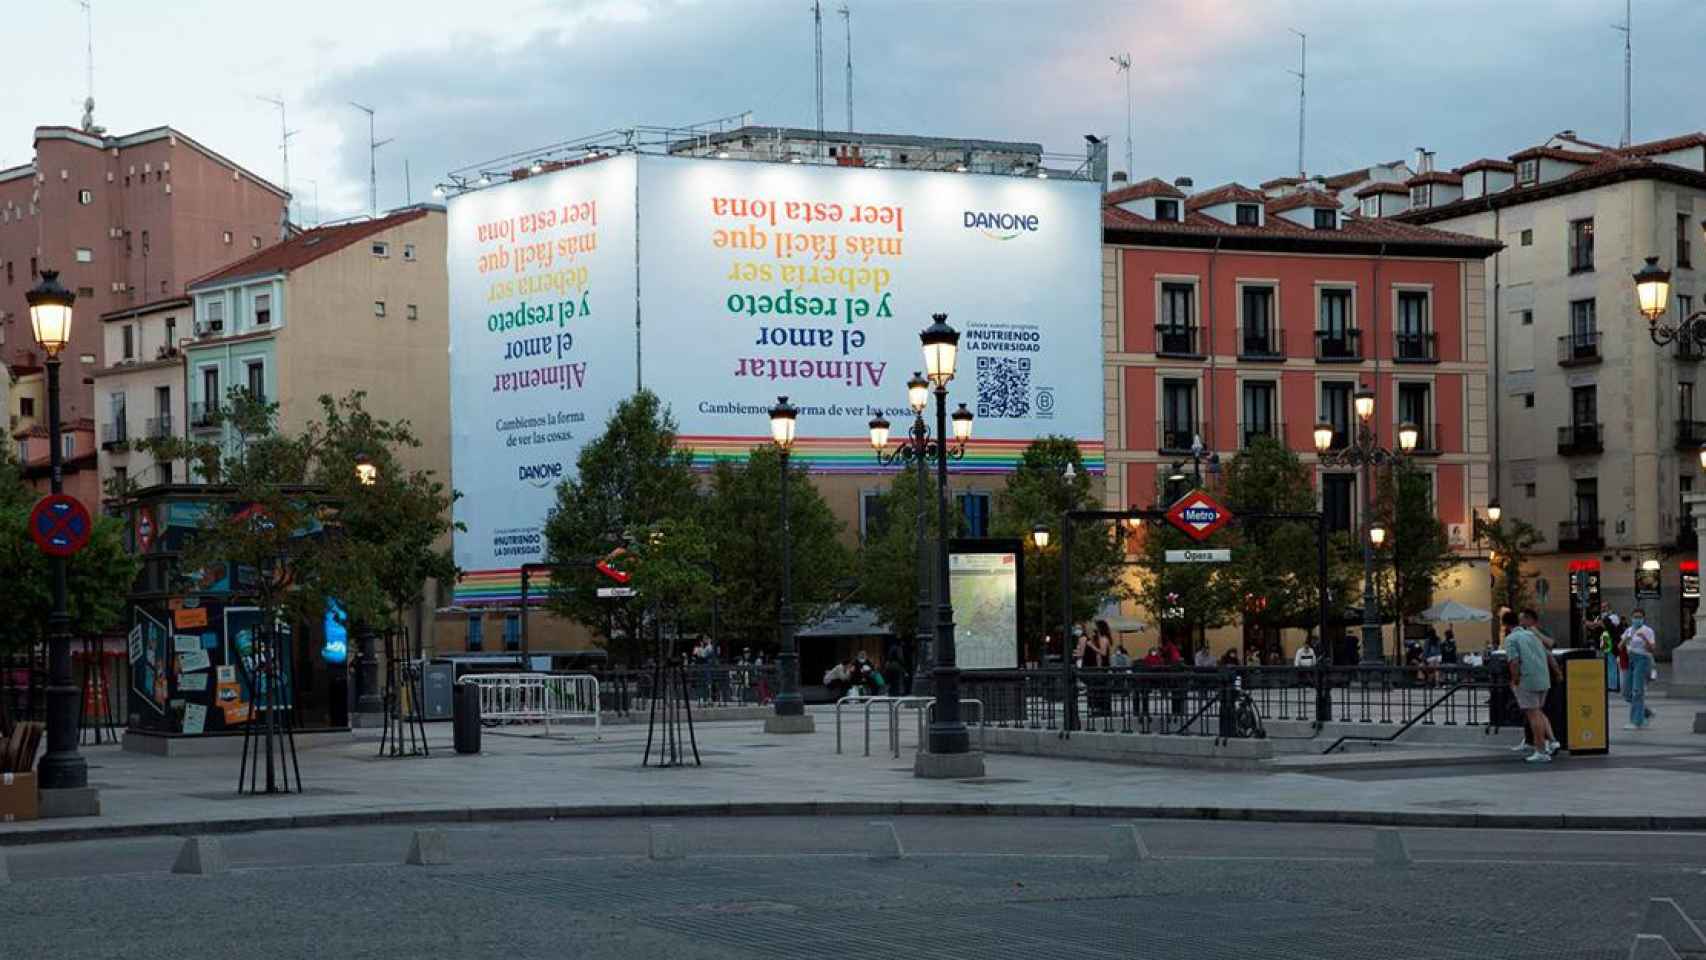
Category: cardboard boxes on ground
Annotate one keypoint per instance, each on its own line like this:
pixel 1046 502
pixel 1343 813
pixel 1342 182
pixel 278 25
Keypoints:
pixel 18 799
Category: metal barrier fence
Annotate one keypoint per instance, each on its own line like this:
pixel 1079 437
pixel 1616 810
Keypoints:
pixel 1236 702
pixel 625 691
pixel 537 698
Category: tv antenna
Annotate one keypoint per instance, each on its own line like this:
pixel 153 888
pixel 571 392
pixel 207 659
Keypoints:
pixel 1628 59
pixel 1122 64
pixel 89 67
pixel 373 145
pixel 817 37
pixel 1302 75
pixel 284 135
pixel 847 21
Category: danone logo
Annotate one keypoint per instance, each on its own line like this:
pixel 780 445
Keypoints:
pixel 539 474
pixel 1001 225
pixel 1198 515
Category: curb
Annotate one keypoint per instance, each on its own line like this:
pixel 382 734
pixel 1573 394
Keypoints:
pixel 1371 818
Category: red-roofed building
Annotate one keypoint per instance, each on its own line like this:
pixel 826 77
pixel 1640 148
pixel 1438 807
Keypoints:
pixel 1594 429
pixel 1225 329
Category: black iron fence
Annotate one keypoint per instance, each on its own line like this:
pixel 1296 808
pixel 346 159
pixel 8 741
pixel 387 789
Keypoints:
pixel 1236 701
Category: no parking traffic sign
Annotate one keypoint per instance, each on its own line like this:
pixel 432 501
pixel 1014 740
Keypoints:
pixel 60 525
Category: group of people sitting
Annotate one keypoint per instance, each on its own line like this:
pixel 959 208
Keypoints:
pixel 857 675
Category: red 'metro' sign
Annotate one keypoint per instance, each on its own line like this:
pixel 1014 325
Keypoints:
pixel 1198 515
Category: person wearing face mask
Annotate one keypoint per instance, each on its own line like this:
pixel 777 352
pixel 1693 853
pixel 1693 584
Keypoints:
pixel 1640 644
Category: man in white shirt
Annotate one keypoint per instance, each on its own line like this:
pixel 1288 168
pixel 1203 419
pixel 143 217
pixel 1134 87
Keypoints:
pixel 1305 656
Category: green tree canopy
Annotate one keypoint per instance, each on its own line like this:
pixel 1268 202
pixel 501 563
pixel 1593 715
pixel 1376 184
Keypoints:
pixel 628 479
pixel 1275 571
pixel 1417 554
pixel 97 579
pixel 888 558
pixel 1197 595
pixel 1038 493
pixel 1512 540
pixel 743 523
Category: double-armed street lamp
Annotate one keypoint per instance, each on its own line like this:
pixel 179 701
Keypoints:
pixel 919 449
pixel 62 767
pixel 1363 451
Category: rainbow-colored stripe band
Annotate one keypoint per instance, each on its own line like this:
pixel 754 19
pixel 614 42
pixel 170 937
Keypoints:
pixel 849 455
pixel 485 587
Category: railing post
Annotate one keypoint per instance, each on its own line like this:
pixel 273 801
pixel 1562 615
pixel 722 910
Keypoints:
pixel 1069 695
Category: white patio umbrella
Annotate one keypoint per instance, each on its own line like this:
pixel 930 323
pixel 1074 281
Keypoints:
pixel 1451 611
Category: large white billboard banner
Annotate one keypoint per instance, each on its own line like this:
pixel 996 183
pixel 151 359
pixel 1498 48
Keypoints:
pixel 542 299
pixel 765 279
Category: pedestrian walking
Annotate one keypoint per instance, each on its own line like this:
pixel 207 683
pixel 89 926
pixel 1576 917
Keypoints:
pixel 1639 643
pixel 1531 667
pixel 1448 647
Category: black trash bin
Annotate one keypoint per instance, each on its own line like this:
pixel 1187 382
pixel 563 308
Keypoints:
pixel 465 718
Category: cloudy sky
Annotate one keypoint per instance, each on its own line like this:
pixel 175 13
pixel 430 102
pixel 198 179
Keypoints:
pixel 456 83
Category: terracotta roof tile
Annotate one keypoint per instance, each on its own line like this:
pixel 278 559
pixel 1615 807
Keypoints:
pixel 1153 187
pixel 1383 186
pixel 1281 182
pixel 1664 146
pixel 1554 153
pixel 1279 231
pixel 1487 163
pixel 1303 198
pixel 1225 193
pixel 306 247
pixel 1436 176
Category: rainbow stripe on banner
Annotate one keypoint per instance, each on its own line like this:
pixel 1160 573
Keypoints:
pixel 486 587
pixel 846 455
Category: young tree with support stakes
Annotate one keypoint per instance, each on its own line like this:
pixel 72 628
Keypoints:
pixel 1511 541
pixel 628 478
pixel 888 557
pixel 1417 554
pixel 743 525
pixel 1038 493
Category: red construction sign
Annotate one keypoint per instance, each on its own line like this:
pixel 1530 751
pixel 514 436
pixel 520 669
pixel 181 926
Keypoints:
pixel 1198 515
pixel 60 525
pixel 604 567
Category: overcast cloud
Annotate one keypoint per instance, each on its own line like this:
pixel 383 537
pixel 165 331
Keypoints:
pixel 458 83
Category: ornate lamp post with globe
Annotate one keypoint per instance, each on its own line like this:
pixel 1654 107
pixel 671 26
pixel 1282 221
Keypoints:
pixel 790 715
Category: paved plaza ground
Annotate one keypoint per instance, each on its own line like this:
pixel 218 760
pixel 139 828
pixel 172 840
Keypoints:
pixel 1651 778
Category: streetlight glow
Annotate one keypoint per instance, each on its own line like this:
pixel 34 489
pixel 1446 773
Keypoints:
pixel 941 346
pixel 1323 437
pixel 1039 536
pixel 1376 533
pixel 917 392
pixel 962 424
pixel 1494 511
pixel 879 433
pixel 50 313
pixel 365 472
pixel 782 417
pixel 1652 289
pixel 1364 403
pixel 1408 436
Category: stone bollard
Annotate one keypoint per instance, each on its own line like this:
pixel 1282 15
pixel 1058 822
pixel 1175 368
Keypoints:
pixel 1128 845
pixel 200 857
pixel 664 842
pixel 1390 849
pixel 882 842
pixel 428 848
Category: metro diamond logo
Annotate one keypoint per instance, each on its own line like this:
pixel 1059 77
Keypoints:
pixel 1198 515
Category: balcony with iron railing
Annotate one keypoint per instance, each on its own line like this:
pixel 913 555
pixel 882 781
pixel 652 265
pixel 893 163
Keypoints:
pixel 1415 348
pixel 1177 341
pixel 1581 535
pixel 1249 433
pixel 1338 346
pixel 1173 437
pixel 159 427
pixel 1690 434
pixel 204 416
pixel 1581 438
pixel 1261 344
pixel 114 434
pixel 1689 351
pixel 1577 349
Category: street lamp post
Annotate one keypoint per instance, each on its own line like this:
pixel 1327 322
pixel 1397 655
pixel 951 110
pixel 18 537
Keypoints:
pixel 790 715
pixel 950 755
pixel 917 449
pixel 1364 451
pixel 369 704
pixel 62 767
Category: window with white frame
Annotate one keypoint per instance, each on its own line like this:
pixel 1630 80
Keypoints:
pixel 85 255
pixel 263 309
pixel 409 252
pixel 1527 172
pixel 85 197
pixel 216 313
pixel 413 312
pixel 379 308
pixel 381 248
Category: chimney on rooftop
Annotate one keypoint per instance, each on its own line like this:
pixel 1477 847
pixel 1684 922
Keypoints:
pixel 1185 184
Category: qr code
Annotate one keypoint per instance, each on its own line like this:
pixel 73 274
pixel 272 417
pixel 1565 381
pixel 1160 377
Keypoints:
pixel 1003 386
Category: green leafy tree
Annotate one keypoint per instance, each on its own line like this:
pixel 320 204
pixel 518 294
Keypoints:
pixel 744 527
pixel 1194 595
pixel 1275 569
pixel 1417 554
pixel 1512 540
pixel 670 564
pixel 628 479
pixel 1038 493
pixel 97 579
pixel 396 528
pixel 888 558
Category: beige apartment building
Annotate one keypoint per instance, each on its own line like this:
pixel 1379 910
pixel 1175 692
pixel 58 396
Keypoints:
pixel 140 391
pixel 1595 427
